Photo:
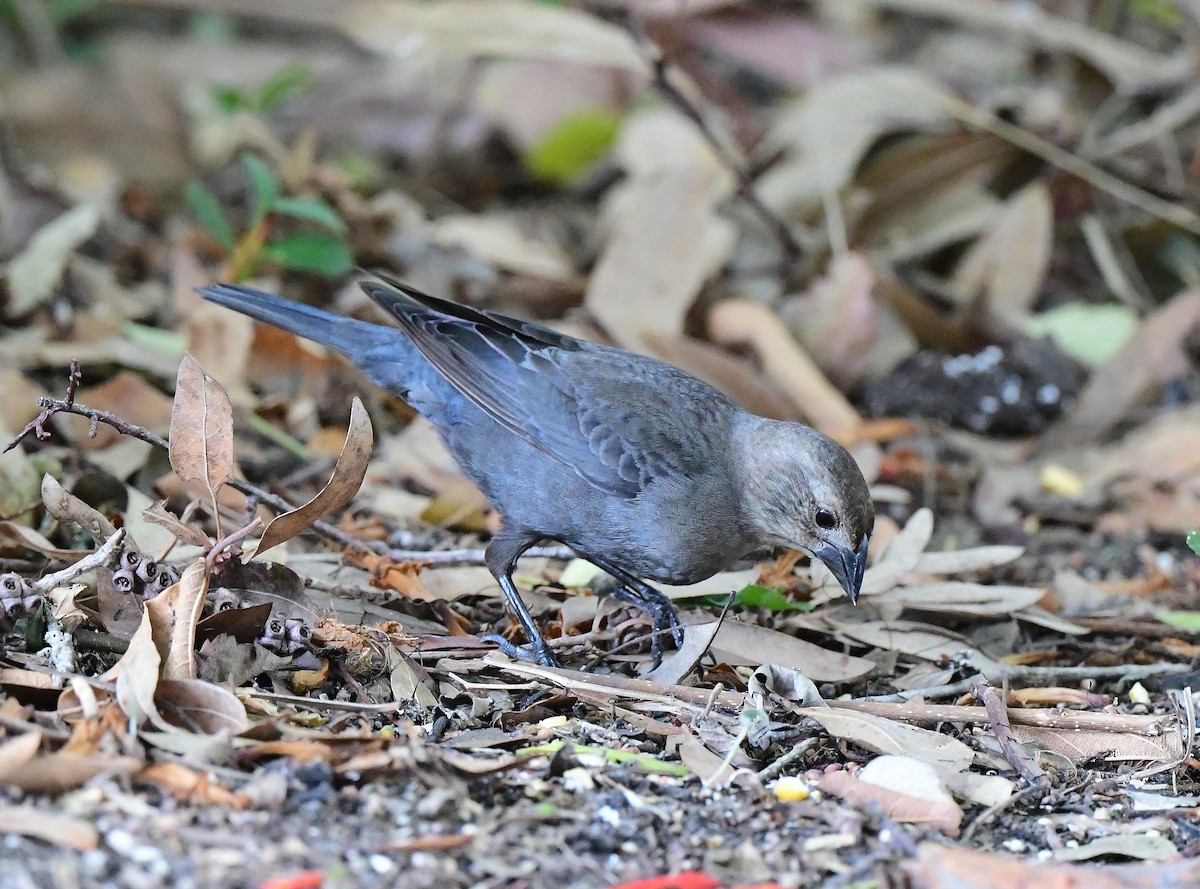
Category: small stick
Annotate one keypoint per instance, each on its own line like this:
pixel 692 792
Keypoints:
pixel 1009 746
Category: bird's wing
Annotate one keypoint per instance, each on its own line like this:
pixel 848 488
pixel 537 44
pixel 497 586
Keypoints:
pixel 619 420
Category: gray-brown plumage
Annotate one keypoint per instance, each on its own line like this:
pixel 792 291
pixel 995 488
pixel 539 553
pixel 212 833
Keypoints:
pixel 639 467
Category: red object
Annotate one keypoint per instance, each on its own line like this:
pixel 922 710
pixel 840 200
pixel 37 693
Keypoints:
pixel 688 880
pixel 309 879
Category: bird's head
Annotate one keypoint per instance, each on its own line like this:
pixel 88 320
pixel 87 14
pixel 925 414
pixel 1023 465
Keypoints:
pixel 803 490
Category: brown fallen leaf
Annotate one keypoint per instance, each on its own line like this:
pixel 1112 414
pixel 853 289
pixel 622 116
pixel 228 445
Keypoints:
pixel 199 707
pixel 173 615
pixel 1152 357
pixel 61 830
pixel 945 816
pixel 201 443
pixel 742 322
pixel 191 786
pixel 387 574
pixel 347 478
pixel 66 507
pixel 954 867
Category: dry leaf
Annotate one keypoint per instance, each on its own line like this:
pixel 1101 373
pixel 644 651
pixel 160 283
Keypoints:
pixel 19 537
pixel 201 429
pixel 191 786
pixel 200 707
pixel 665 242
pixel 1152 357
pixel 886 736
pixel 157 514
pixel 66 507
pixel 347 478
pixel 946 816
pixel 519 29
pixel 751 644
pixel 60 830
pixel 173 615
pixel 36 270
pixel 1008 264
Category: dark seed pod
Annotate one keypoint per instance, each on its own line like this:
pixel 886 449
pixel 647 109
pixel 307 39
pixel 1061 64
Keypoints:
pixel 165 579
pixel 125 581
pixel 274 630
pixel 298 631
pixel 30 603
pixel 147 570
pixel 223 599
pixel 130 558
pixel 12 585
pixel 10 607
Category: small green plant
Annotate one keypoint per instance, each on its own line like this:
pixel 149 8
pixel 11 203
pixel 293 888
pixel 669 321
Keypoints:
pixel 754 596
pixel 322 251
pixel 1193 542
pixel 285 84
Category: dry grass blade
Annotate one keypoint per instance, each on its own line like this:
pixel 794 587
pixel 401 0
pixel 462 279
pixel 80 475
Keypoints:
pixel 347 478
pixel 201 444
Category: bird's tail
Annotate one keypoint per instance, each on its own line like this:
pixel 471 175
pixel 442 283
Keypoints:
pixel 383 353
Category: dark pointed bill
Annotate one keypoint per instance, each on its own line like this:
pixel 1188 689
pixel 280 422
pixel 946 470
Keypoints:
pixel 846 565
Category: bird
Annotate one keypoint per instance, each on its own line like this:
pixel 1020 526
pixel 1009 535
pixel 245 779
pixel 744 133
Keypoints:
pixel 635 465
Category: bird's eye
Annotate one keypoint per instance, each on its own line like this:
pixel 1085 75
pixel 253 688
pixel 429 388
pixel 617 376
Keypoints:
pixel 826 519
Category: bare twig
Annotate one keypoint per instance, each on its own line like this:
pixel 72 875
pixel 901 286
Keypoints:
pixel 1009 746
pixel 685 106
pixel 102 556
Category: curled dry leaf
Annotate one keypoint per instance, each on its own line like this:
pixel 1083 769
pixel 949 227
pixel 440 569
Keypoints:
pixel 886 736
pixel 200 707
pixel 157 514
pixel 347 478
pixel 520 29
pixel 201 446
pixel 66 507
pixel 173 614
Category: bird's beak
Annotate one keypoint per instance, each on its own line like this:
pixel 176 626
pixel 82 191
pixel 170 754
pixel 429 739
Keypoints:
pixel 847 565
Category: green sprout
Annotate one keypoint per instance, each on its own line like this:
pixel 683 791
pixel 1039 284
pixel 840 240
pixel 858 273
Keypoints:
pixel 320 249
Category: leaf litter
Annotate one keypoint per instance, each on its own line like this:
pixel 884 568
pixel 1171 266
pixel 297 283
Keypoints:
pixel 225 633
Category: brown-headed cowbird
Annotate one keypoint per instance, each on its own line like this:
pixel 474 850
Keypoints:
pixel 639 467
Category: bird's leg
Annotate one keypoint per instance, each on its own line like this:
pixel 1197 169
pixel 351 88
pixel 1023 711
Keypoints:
pixel 501 556
pixel 653 601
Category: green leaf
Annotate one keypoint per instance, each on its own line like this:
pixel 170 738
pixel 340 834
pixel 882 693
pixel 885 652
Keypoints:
pixel 311 252
pixel 573 146
pixel 311 209
pixel 1193 540
pixel 1091 333
pixel 755 596
pixel 289 81
pixel 156 339
pixel 231 98
pixel 265 184
pixel 1185 620
pixel 206 209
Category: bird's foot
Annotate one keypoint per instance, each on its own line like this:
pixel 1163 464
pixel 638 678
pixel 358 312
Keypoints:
pixel 662 613
pixel 537 652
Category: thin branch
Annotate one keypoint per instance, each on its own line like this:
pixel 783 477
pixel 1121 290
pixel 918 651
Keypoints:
pixel 1009 745
pixel 102 556
pixel 685 106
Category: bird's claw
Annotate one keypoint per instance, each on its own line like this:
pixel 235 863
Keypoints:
pixel 661 611
pixel 537 652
